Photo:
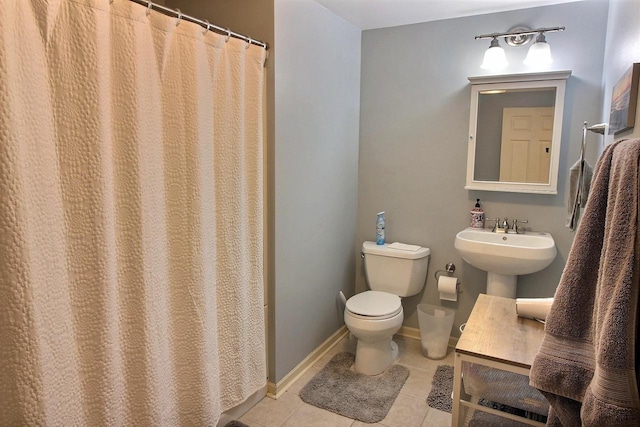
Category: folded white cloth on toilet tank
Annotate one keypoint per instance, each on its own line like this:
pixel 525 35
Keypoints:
pixel 404 247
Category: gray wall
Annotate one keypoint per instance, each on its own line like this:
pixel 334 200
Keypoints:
pixel 414 128
pixel 317 100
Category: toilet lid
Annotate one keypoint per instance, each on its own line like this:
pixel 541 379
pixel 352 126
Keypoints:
pixel 374 304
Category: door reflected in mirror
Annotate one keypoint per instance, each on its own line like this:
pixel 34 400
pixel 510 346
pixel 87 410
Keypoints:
pixel 514 133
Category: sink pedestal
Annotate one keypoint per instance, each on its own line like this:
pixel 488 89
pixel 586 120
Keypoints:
pixel 501 285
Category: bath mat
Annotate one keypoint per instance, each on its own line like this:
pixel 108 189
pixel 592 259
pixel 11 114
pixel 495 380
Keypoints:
pixel 338 388
pixel 441 388
pixel 484 419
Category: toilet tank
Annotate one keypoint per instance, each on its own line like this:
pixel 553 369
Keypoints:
pixel 395 271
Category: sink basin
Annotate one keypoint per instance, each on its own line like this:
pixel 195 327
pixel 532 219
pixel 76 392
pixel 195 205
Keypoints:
pixel 505 256
pixel 502 253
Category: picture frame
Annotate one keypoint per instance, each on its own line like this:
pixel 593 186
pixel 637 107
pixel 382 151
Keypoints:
pixel 624 100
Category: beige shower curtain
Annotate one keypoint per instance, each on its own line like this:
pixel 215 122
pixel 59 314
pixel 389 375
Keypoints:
pixel 131 288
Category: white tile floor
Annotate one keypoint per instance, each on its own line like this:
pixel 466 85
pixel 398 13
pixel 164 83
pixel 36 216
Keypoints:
pixel 410 408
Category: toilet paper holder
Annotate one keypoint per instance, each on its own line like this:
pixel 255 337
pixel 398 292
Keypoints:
pixel 449 269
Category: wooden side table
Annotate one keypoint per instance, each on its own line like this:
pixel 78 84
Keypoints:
pixel 496 337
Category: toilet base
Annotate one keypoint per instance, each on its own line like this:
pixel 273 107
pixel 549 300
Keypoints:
pixel 373 358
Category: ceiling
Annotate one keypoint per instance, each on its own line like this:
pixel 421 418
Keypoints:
pixel 370 14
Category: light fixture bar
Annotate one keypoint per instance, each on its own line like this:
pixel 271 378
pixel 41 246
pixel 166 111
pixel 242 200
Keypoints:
pixel 520 33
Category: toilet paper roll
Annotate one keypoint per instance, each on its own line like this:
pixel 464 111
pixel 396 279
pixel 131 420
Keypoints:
pixel 447 286
pixel 533 308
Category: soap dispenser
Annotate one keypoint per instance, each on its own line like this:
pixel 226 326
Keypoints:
pixel 380 228
pixel 477 216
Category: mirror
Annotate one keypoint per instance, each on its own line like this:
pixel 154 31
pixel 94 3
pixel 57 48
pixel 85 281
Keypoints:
pixel 515 132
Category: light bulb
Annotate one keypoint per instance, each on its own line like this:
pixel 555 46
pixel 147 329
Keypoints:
pixel 539 52
pixel 494 57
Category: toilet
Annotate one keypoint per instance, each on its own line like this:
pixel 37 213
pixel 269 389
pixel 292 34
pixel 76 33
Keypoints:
pixel 374 316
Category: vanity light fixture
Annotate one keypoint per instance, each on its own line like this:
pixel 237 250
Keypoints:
pixel 539 52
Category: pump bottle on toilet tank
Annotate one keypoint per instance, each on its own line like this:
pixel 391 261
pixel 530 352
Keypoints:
pixel 380 228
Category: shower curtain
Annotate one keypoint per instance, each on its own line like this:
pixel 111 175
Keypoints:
pixel 131 287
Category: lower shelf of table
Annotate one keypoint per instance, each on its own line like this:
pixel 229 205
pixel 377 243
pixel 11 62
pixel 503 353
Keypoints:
pixel 466 409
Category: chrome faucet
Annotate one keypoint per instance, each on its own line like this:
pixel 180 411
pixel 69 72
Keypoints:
pixel 502 226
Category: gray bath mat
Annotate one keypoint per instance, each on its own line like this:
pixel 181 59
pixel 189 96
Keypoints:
pixel 441 388
pixel 338 388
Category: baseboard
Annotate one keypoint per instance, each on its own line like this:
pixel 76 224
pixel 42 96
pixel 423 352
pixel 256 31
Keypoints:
pixel 276 390
pixel 408 332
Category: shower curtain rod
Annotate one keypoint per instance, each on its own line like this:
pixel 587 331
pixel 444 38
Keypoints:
pixel 204 24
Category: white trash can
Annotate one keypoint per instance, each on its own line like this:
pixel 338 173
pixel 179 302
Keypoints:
pixel 435 329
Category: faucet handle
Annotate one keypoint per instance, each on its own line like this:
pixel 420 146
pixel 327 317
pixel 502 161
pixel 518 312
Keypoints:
pixel 516 227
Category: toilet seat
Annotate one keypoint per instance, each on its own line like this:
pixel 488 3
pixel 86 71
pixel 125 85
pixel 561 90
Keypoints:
pixel 374 305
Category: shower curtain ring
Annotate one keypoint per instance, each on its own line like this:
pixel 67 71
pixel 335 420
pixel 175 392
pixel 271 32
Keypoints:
pixel 249 41
pixel 228 35
pixel 179 17
pixel 206 30
pixel 149 7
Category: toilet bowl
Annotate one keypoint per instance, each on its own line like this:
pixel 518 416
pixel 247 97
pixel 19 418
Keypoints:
pixel 374 316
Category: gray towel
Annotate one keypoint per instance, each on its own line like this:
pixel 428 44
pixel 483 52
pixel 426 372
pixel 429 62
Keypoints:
pixel 579 187
pixel 586 364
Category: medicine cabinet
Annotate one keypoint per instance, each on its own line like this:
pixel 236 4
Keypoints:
pixel 515 132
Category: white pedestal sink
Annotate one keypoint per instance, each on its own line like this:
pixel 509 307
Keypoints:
pixel 504 256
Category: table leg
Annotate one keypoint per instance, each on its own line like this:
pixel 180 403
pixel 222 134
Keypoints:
pixel 457 385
